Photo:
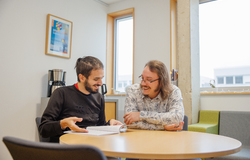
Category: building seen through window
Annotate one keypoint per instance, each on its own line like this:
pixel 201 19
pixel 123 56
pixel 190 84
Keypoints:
pixel 224 40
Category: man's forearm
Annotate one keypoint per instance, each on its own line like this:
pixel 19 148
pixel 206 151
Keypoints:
pixel 161 118
pixel 146 125
pixel 50 129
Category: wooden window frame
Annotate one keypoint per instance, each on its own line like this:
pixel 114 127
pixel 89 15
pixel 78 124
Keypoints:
pixel 173 34
pixel 110 48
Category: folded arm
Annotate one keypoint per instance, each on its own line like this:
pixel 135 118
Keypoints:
pixel 169 119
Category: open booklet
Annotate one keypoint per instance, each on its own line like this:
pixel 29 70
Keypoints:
pixel 102 130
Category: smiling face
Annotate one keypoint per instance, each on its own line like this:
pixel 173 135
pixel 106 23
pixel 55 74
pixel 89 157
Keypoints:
pixel 92 83
pixel 150 89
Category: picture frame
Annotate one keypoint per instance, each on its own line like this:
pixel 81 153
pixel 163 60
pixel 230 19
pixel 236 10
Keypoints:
pixel 58 37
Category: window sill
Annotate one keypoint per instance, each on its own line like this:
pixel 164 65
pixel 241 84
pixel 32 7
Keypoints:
pixel 225 90
pixel 115 94
pixel 224 93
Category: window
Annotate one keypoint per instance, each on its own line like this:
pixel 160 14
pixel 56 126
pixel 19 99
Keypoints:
pixel 125 84
pixel 220 80
pixel 238 79
pixel 119 59
pixel 229 80
pixel 224 37
pixel 119 85
pixel 123 52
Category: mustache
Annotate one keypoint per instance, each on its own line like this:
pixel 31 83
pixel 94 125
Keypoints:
pixel 144 86
pixel 156 90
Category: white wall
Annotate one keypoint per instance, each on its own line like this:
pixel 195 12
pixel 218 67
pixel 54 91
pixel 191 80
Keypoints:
pixel 231 102
pixel 152 31
pixel 24 65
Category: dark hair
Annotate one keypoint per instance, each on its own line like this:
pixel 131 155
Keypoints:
pixel 165 86
pixel 86 64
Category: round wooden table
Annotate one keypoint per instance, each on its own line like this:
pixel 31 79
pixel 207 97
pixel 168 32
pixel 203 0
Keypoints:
pixel 146 144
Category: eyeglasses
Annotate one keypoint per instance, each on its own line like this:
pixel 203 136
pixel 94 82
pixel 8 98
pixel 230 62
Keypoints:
pixel 147 81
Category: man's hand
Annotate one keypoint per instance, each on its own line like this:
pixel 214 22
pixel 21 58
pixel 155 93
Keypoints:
pixel 115 122
pixel 131 117
pixel 71 123
pixel 174 127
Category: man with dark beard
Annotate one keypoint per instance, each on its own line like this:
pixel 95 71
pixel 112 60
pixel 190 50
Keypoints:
pixel 155 104
pixel 78 106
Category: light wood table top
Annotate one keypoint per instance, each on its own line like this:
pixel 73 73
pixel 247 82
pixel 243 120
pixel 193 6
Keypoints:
pixel 146 144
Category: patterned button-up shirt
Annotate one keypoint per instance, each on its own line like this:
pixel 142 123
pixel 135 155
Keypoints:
pixel 154 113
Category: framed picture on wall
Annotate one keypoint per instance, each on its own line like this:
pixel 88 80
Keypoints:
pixel 58 37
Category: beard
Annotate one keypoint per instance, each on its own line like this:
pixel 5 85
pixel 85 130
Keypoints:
pixel 88 87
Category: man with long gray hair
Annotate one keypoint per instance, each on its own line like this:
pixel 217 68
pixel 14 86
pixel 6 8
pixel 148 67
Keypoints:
pixel 155 103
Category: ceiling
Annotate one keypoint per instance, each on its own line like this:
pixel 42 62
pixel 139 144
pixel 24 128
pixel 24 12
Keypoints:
pixel 108 2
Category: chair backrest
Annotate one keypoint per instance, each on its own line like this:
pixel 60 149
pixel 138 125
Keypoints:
pixel 236 124
pixel 27 150
pixel 185 126
pixel 210 117
pixel 41 139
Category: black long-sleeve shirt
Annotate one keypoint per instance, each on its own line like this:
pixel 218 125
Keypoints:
pixel 70 102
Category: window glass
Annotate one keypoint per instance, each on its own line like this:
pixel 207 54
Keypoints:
pixel 119 85
pixel 123 52
pixel 238 79
pixel 220 80
pixel 229 80
pixel 224 42
pixel 125 84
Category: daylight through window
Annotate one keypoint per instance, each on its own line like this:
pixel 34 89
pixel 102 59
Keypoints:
pixel 123 56
pixel 224 43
